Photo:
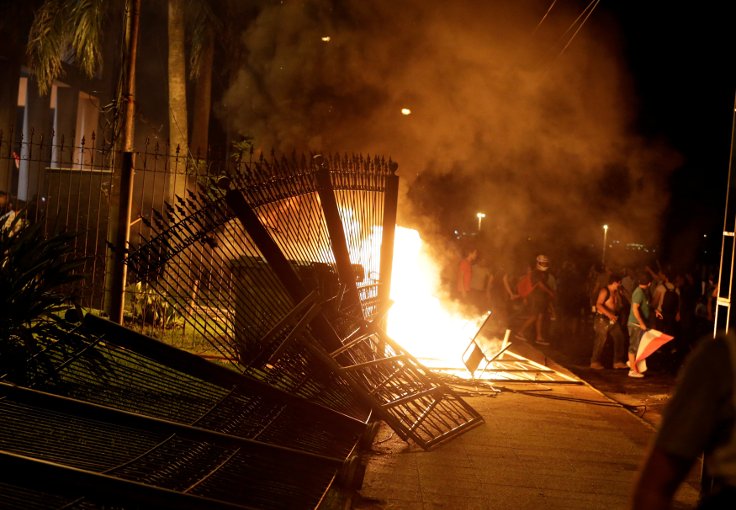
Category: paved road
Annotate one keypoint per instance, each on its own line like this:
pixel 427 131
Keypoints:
pixel 575 449
pixel 645 397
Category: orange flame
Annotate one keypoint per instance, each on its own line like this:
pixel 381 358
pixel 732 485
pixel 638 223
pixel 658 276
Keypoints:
pixel 422 319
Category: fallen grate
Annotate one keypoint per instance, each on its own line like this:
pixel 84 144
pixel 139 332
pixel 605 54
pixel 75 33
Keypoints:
pixel 149 460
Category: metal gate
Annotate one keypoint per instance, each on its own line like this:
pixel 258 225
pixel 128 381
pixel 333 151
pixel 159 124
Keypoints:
pixel 284 266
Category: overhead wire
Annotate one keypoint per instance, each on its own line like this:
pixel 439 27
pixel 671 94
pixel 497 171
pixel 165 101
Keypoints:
pixel 589 9
pixel 544 17
pixel 567 37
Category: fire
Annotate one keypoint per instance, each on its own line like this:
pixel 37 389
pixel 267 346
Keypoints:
pixel 423 321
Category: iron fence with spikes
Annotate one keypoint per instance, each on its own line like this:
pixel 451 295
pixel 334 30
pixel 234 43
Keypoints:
pixel 200 260
pixel 278 266
pixel 296 237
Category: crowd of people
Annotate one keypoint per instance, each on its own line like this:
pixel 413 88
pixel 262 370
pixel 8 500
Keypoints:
pixel 592 311
pixel 588 311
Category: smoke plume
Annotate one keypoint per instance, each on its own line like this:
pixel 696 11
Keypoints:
pixel 524 115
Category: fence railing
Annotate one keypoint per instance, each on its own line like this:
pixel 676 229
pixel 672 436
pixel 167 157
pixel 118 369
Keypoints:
pixel 68 185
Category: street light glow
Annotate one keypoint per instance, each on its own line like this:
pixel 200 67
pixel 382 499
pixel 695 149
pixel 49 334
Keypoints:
pixel 405 111
pixel 480 217
pixel 605 234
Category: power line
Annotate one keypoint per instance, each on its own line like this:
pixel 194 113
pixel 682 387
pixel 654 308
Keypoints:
pixel 573 29
pixel 549 9
pixel 589 10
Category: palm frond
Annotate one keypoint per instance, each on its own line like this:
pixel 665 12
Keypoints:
pixel 46 43
pixel 87 19
pixel 65 28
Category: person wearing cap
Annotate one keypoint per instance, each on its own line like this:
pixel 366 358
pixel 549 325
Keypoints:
pixel 539 299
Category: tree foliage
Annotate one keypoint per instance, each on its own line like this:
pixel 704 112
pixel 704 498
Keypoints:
pixel 62 29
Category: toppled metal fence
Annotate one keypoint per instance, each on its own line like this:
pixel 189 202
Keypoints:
pixel 148 463
pixel 296 296
pixel 204 268
pixel 122 419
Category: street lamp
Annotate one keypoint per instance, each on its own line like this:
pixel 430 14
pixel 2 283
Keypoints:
pixel 480 217
pixel 605 235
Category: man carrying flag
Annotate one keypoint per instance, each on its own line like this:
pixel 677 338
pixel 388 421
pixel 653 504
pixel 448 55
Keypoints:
pixel 638 317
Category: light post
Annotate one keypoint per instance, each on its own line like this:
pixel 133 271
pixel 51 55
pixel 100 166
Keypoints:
pixel 480 217
pixel 605 236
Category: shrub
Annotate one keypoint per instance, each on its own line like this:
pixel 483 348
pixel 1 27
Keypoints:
pixel 37 275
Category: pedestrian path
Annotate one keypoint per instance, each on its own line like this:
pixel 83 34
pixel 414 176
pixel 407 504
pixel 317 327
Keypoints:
pixel 542 445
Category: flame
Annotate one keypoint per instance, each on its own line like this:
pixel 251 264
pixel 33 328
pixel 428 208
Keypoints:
pixel 424 321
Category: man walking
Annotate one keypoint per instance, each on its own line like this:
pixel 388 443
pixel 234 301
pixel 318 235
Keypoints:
pixel 638 320
pixel 539 299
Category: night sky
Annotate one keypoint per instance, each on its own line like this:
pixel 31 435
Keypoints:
pixel 681 55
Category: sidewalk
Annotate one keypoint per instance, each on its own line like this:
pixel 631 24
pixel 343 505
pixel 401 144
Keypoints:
pixel 554 446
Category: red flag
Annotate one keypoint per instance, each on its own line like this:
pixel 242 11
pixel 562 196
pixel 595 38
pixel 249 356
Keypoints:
pixel 651 340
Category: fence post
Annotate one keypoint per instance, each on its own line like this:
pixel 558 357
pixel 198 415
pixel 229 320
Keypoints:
pixel 337 236
pixel 390 206
pixel 122 237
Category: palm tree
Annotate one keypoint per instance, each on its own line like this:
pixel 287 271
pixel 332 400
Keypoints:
pixel 209 29
pixel 178 131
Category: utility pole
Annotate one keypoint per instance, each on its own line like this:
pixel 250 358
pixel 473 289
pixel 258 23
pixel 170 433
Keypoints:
pixel 122 197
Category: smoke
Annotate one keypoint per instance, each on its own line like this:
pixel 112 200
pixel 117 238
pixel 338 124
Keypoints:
pixel 502 119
